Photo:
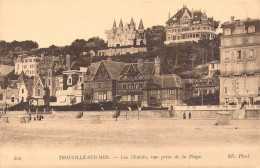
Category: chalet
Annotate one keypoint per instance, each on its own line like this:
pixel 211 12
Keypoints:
pixel 8 97
pixel 39 92
pixel 52 80
pixel 24 85
pixel 134 77
pixel 164 90
pixel 71 92
pixel 104 80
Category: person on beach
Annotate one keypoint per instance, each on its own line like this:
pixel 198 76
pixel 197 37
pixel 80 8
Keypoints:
pixel 139 109
pixel 116 114
pixel 184 115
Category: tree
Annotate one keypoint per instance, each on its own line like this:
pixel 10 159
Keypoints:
pixel 95 43
pixel 3 48
pixel 78 46
pixel 155 37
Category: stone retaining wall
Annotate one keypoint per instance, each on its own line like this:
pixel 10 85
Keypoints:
pixel 195 114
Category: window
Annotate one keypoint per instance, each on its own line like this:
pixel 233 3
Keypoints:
pixel 49 82
pixel 124 86
pixel 22 90
pixel 99 85
pixel 225 89
pixel 39 92
pixel 12 99
pixel 132 86
pixel 251 29
pixel 251 53
pixel 140 85
pixel 1 96
pixel 80 79
pixel 226 55
pixel 106 85
pixel 119 86
pixel 244 54
pixel 238 54
pixel 69 81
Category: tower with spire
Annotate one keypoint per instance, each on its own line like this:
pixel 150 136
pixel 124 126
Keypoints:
pixel 126 35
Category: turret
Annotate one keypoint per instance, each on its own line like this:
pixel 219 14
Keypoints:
pixel 132 24
pixel 121 24
pixel 141 26
pixel 114 25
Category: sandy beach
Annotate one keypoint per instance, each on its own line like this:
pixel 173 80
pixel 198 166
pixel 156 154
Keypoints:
pixel 202 142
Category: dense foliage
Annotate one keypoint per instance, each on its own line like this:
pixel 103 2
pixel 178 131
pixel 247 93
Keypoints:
pixel 16 46
pixel 208 99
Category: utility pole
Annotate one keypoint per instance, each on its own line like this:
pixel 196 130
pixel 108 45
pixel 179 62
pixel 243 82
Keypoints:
pixel 202 97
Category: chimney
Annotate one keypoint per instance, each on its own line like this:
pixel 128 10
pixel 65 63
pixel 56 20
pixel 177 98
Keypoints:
pixel 232 18
pixel 68 61
pixel 157 65
pixel 140 64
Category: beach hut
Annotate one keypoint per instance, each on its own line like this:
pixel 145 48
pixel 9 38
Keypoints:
pixel 223 118
pixel 95 119
pixel 4 119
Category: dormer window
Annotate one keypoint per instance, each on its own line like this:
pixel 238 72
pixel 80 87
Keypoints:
pixel 69 81
pixel 227 32
pixel 251 29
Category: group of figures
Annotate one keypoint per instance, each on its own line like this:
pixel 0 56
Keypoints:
pixel 184 115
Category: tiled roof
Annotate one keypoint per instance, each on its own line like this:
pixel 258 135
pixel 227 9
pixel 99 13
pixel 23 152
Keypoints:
pixel 176 18
pixel 113 68
pixel 197 15
pixel 247 22
pixel 167 81
pixel 94 67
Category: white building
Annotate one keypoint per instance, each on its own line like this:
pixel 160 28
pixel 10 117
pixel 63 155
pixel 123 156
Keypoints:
pixel 30 65
pixel 189 25
pixel 240 62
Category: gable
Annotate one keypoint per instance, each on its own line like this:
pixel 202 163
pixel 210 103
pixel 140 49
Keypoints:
pixel 102 72
pixel 185 15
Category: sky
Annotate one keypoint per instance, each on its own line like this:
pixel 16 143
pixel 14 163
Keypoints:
pixel 60 22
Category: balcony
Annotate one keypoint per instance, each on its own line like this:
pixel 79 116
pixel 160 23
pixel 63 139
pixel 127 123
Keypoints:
pixel 240 72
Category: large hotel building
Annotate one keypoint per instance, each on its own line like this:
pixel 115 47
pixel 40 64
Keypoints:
pixel 189 25
pixel 240 62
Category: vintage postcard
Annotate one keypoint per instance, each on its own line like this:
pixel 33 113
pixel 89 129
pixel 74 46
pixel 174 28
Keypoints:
pixel 130 83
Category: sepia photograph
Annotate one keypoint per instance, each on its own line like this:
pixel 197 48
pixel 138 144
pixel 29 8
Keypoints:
pixel 130 83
